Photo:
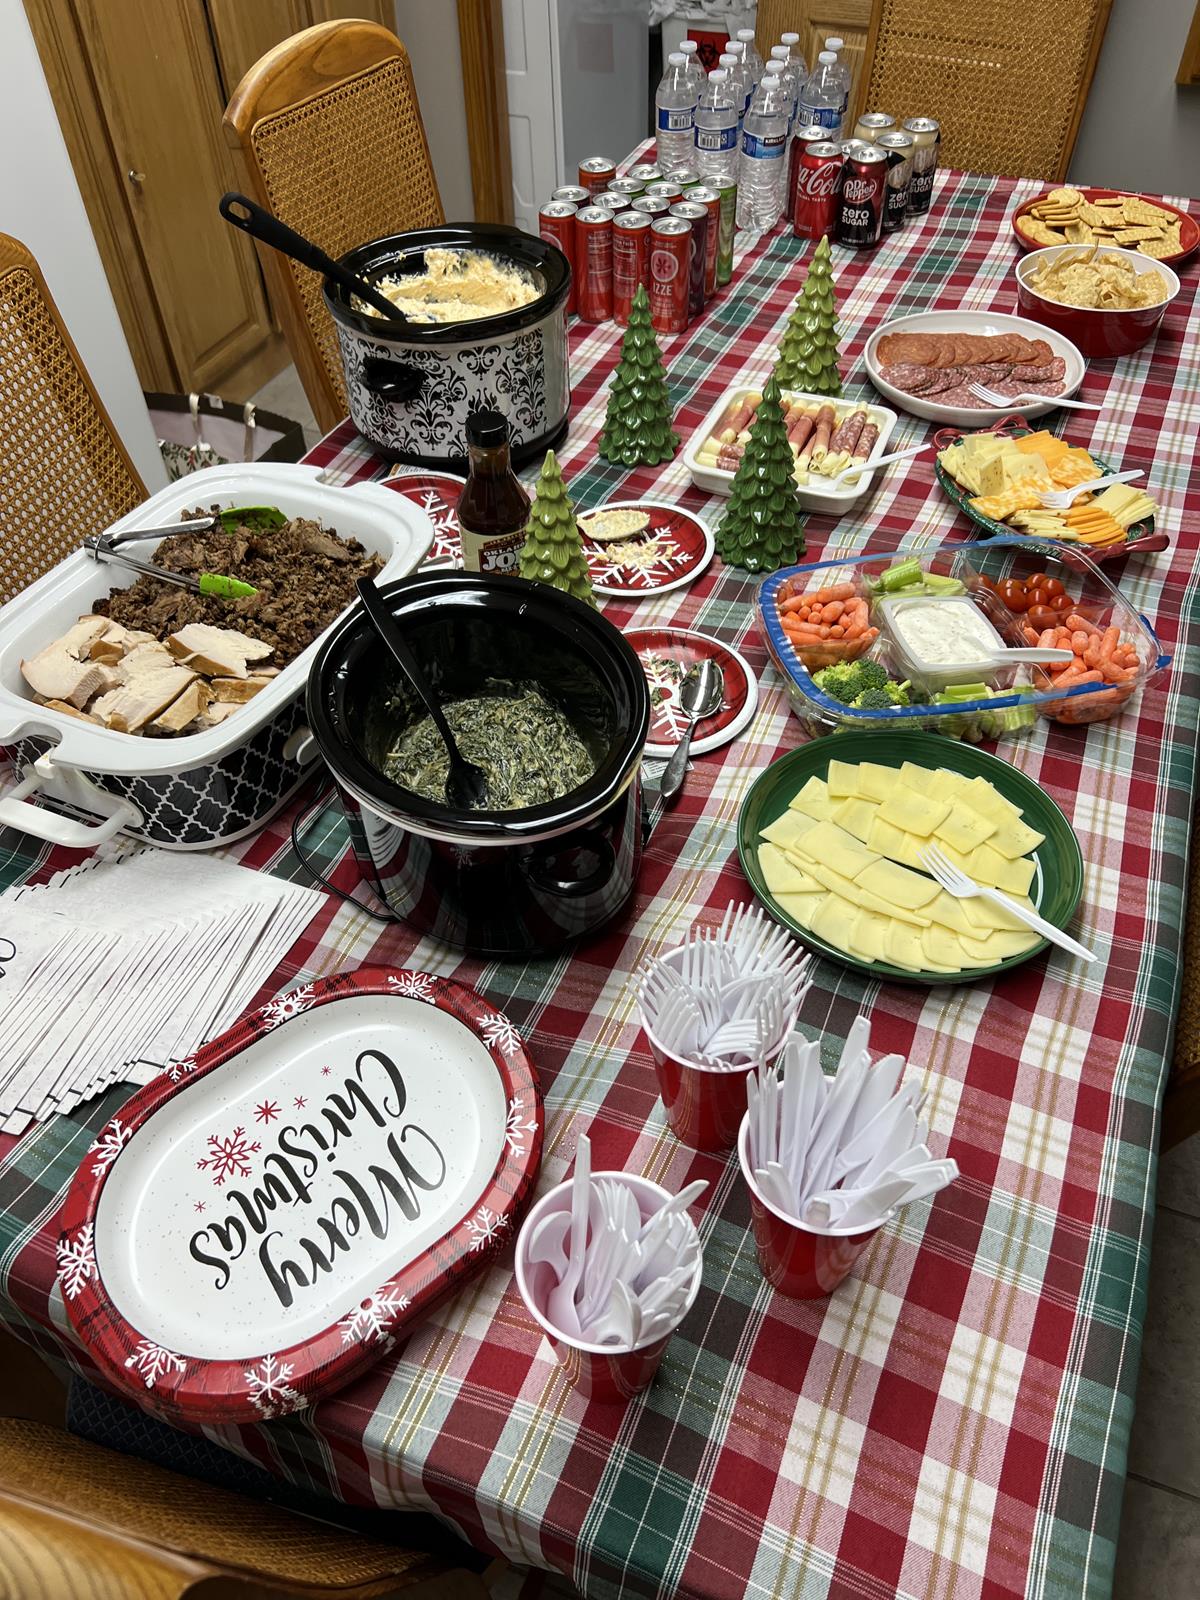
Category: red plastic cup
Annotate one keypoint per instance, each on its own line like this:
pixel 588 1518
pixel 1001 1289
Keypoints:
pixel 600 1372
pixel 796 1260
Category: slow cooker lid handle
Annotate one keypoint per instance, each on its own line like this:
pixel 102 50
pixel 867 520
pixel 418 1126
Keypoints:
pixel 392 380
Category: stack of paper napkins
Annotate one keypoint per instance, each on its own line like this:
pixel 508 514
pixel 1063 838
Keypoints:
pixel 121 966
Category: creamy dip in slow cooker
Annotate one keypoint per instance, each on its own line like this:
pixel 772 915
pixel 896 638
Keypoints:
pixel 458 286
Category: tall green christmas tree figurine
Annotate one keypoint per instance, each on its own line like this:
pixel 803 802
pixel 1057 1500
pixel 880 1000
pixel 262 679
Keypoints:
pixel 808 354
pixel 637 425
pixel 761 528
pixel 553 549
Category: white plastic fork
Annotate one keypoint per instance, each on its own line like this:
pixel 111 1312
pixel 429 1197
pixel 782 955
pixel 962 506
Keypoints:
pixel 1003 401
pixel 1063 499
pixel 963 888
pixel 864 469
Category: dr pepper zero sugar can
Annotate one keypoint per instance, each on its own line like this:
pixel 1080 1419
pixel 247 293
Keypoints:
pixel 630 261
pixel 593 246
pixel 864 186
pixel 596 173
pixel 697 217
pixel 927 140
pixel 818 179
pixel 670 250
pixel 556 222
pixel 899 146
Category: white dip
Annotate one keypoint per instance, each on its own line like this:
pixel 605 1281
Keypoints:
pixel 949 631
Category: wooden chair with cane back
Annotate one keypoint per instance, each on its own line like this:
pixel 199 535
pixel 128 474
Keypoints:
pixel 1008 86
pixel 64 473
pixel 327 134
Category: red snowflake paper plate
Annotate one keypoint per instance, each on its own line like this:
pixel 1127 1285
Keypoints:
pixel 437 495
pixel 264 1221
pixel 666 654
pixel 675 548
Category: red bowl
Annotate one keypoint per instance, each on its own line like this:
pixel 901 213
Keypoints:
pixel 1094 332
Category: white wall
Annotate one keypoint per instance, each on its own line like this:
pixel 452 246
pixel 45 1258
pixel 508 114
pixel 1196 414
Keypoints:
pixel 40 205
pixel 429 30
pixel 1140 130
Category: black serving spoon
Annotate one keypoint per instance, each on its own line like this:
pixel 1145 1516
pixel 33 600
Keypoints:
pixel 466 784
pixel 261 225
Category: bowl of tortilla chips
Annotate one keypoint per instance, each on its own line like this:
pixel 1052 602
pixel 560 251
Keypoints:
pixel 1108 302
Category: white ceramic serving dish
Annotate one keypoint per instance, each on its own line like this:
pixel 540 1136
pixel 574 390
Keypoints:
pixel 985 322
pixel 814 496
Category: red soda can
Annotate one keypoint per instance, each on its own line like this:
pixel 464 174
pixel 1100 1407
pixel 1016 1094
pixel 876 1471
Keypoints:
pixel 593 244
pixel 556 222
pixel 863 196
pixel 666 189
pixel 596 173
pixel 652 205
pixel 818 179
pixel 611 201
pixel 697 215
pixel 812 134
pixel 573 195
pixel 701 195
pixel 630 261
pixel 630 186
pixel 670 251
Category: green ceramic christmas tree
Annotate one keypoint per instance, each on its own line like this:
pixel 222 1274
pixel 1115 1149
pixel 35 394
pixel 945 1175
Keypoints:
pixel 808 355
pixel 637 425
pixel 553 549
pixel 761 528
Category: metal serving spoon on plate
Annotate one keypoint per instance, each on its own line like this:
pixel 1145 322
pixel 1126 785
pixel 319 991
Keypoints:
pixel 700 694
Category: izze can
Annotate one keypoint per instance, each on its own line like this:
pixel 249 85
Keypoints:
pixel 899 147
pixel 556 222
pixel 927 141
pixel 670 249
pixel 860 205
pixel 818 179
pixel 630 261
pixel 697 216
pixel 710 199
pixel 596 173
pixel 593 245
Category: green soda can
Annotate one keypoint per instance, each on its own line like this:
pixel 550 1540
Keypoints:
pixel 728 194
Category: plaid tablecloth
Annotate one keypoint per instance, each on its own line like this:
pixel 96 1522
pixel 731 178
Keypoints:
pixel 952 1422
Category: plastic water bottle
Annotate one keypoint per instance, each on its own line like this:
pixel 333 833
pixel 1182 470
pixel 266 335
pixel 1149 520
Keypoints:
pixel 731 65
pixel 762 166
pixel 821 96
pixel 791 80
pixel 795 54
pixel 717 130
pixel 674 104
pixel 736 49
pixel 750 55
pixel 689 48
pixel 843 71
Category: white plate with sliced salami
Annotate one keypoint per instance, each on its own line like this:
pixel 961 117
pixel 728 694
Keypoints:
pixel 924 363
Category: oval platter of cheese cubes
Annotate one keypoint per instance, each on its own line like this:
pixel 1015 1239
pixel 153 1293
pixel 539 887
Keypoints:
pixel 997 477
pixel 830 839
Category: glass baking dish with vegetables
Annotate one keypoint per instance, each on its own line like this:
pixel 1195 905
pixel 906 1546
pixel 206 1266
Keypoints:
pixel 940 639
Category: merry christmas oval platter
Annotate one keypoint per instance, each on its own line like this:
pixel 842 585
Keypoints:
pixel 264 1221
pixel 671 549
pixel 665 655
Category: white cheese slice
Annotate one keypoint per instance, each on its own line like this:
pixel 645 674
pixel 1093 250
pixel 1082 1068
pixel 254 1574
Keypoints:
pixel 813 800
pixel 897 885
pixel 965 828
pixel 875 782
pixel 782 876
pixel 913 812
pixel 787 829
pixel 842 780
pixel 1016 839
pixel 856 816
pixel 825 841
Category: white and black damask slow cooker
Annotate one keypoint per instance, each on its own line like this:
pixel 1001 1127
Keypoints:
pixel 411 387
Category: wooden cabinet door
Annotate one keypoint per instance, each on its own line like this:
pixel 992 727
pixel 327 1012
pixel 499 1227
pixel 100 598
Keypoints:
pixel 242 33
pixel 815 21
pixel 157 84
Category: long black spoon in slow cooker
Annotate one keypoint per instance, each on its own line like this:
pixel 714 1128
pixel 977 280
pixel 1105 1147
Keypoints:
pixel 466 784
pixel 261 225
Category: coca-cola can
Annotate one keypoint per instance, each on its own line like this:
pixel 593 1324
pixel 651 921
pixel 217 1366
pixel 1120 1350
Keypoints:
pixel 630 186
pixel 813 133
pixel 665 189
pixel 556 222
pixel 646 171
pixel 630 261
pixel 670 250
pixel 652 205
pixel 818 179
pixel 861 199
pixel 596 173
pixel 593 244
pixel 710 199
pixel 611 201
pixel 573 194
pixel 899 146
pixel 697 216
pixel 927 144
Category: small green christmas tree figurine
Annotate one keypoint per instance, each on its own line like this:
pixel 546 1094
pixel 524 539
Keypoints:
pixel 553 549
pixel 761 528
pixel 808 354
pixel 637 425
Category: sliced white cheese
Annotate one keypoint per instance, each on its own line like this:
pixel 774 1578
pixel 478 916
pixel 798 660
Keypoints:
pixel 913 812
pixel 787 829
pixel 951 913
pixel 782 876
pixel 834 921
pixel 903 947
pixel 1013 839
pixel 868 937
pixel 941 947
pixel 842 779
pixel 813 800
pixel 989 866
pixel 1000 943
pixel 990 802
pixel 856 816
pixel 825 841
pixel 911 891
pixel 801 907
pixel 965 828
pixel 875 782
pixel 985 915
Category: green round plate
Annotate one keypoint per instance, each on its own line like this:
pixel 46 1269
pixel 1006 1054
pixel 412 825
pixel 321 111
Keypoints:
pixel 1058 881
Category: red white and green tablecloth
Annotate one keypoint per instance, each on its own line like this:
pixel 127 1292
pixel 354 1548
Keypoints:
pixel 953 1422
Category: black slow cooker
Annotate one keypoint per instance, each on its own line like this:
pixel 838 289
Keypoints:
pixel 504 884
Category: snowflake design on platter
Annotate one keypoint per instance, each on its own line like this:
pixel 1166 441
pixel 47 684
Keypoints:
pixel 664 675
pixel 372 1317
pixel 175 1070
pixel 76 1260
pixel 151 1361
pixel 266 1112
pixel 447 543
pixel 486 1228
pixel 669 559
pixel 501 1034
pixel 412 985
pixel 270 1393
pixel 514 1129
pixel 287 1005
pixel 108 1145
pixel 228 1157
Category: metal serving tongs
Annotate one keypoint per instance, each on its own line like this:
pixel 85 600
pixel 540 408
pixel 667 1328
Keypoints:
pixel 210 583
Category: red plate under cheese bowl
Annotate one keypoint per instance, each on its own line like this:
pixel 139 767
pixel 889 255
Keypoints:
pixel 1097 333
pixel 1189 228
pixel 265 1220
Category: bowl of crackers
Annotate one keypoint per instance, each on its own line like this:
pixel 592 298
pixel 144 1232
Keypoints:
pixel 1152 228
pixel 1108 302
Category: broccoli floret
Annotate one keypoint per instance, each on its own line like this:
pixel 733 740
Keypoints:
pixel 871 675
pixel 839 682
pixel 874 700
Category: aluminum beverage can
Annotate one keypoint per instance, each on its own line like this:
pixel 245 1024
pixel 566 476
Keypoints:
pixel 871 124
pixel 630 186
pixel 670 249
pixel 630 261
pixel 711 201
pixel 593 242
pixel 818 180
pixel 645 172
pixel 927 142
pixel 696 215
pixel 653 205
pixel 899 146
pixel 812 133
pixel 573 194
pixel 665 189
pixel 596 173
pixel 727 229
pixel 689 177
pixel 861 200
pixel 611 201
pixel 556 222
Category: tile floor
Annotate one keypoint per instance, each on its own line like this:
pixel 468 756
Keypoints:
pixel 1159 1555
